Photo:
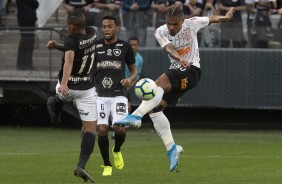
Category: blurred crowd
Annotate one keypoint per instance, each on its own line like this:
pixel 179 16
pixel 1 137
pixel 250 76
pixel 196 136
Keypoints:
pixel 255 22
pixel 252 25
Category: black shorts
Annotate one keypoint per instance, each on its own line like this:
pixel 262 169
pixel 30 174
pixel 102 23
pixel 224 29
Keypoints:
pixel 181 81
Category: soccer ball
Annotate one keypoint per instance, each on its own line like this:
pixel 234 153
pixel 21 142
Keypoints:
pixel 145 89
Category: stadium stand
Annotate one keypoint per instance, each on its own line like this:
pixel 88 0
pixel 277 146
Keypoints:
pixel 40 82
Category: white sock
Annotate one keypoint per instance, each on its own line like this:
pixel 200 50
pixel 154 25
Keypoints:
pixel 162 127
pixel 147 105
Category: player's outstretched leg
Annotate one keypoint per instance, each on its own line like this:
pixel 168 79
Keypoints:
pixel 79 172
pixel 130 120
pixel 118 159
pixel 134 119
pixel 173 155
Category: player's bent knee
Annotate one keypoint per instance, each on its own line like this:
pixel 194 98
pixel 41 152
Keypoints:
pixel 119 129
pixel 103 130
pixel 159 108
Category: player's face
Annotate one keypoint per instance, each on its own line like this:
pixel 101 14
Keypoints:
pixel 109 29
pixel 174 24
pixel 134 44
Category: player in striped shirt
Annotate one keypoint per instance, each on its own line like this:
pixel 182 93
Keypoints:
pixel 178 37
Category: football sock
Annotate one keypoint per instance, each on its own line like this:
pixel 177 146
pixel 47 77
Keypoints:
pixel 119 140
pixel 147 105
pixel 103 143
pixel 162 127
pixel 86 148
pixel 58 104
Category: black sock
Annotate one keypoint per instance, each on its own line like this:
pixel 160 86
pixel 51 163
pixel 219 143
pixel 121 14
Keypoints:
pixel 86 148
pixel 58 104
pixel 103 143
pixel 119 140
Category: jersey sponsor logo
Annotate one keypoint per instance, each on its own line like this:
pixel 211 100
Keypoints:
pixel 107 82
pixel 79 79
pixel 183 83
pixel 117 52
pixel 91 49
pixel 119 44
pixel 184 51
pixel 121 108
pixel 81 112
pixel 84 43
pixel 99 45
pixel 109 52
pixel 109 64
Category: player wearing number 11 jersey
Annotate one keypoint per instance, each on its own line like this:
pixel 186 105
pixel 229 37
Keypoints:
pixel 76 82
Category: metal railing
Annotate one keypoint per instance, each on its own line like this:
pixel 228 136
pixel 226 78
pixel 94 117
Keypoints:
pixel 24 56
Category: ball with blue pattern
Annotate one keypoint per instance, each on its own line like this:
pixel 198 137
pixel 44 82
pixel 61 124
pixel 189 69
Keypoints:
pixel 145 89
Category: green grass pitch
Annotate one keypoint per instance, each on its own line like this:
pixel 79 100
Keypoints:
pixel 49 155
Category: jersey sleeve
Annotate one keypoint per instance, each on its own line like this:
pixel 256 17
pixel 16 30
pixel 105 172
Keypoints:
pixel 130 58
pixel 69 44
pixel 197 22
pixel 91 31
pixel 161 34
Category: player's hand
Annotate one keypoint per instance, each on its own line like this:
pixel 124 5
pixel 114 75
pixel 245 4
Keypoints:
pixel 125 83
pixel 184 63
pixel 64 90
pixel 229 14
pixel 52 44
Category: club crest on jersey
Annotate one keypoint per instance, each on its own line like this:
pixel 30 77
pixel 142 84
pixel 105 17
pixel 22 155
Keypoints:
pixel 117 52
pixel 102 115
pixel 107 82
pixel 109 52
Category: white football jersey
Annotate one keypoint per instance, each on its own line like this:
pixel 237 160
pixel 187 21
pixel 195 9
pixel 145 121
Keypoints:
pixel 185 41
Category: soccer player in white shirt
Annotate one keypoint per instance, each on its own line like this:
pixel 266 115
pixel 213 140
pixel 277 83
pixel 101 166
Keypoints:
pixel 178 37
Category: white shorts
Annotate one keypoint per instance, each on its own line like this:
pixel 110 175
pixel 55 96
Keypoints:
pixel 117 107
pixel 85 102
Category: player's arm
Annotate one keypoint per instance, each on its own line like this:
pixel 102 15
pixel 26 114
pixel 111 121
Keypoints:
pixel 52 44
pixel 129 82
pixel 69 57
pixel 132 79
pixel 169 48
pixel 130 62
pixel 218 19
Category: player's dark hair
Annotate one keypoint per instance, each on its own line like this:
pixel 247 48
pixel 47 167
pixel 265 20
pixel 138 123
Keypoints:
pixel 77 19
pixel 175 11
pixel 133 38
pixel 110 17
